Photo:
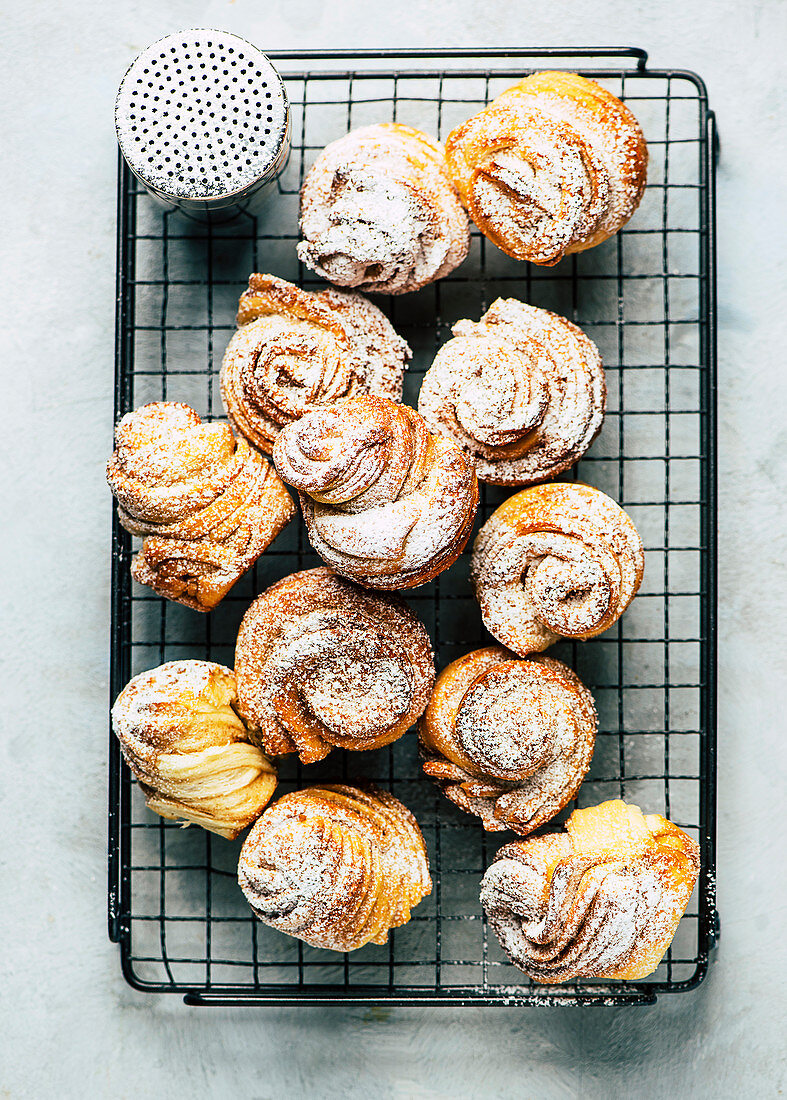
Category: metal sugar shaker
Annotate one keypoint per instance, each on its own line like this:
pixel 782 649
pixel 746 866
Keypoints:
pixel 203 122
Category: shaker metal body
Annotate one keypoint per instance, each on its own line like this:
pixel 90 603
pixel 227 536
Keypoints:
pixel 203 122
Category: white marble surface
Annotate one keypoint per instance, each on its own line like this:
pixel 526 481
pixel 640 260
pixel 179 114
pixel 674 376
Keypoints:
pixel 70 1025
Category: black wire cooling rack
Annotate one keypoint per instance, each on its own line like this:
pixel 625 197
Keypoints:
pixel 647 298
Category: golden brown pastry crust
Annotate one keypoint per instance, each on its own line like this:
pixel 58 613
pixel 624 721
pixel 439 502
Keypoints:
pixel 181 735
pixel 386 503
pixel 508 740
pixel 522 391
pixel 554 165
pixel 335 866
pixel 601 900
pixel 321 663
pixel 296 349
pixel 206 503
pixel 556 560
pixel 380 213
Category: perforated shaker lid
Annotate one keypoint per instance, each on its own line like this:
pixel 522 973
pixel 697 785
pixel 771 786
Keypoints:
pixel 201 114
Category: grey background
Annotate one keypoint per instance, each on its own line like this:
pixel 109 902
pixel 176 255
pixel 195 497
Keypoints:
pixel 70 1025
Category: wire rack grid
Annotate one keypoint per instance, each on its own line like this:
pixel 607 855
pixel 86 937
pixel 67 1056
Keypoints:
pixel 647 299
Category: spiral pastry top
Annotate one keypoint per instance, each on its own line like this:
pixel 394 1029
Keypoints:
pixel 556 164
pixel 379 212
pixel 322 663
pixel 557 560
pixel 385 503
pixel 335 866
pixel 522 390
pixel 207 503
pixel 600 900
pixel 508 740
pixel 295 349
pixel 181 735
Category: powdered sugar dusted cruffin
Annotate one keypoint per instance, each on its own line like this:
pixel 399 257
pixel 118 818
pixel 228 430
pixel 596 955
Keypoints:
pixel 557 560
pixel 335 866
pixel 379 212
pixel 296 349
pixel 182 737
pixel 385 502
pixel 522 391
pixel 322 663
pixel 207 504
pixel 601 899
pixel 508 740
pixel 554 165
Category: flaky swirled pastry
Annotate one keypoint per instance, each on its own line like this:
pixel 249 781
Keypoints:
pixel 522 390
pixel 206 503
pixel 508 740
pixel 379 212
pixel 557 560
pixel 385 502
pixel 321 663
pixel 335 866
pixel 556 164
pixel 182 737
pixel 295 349
pixel 600 900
